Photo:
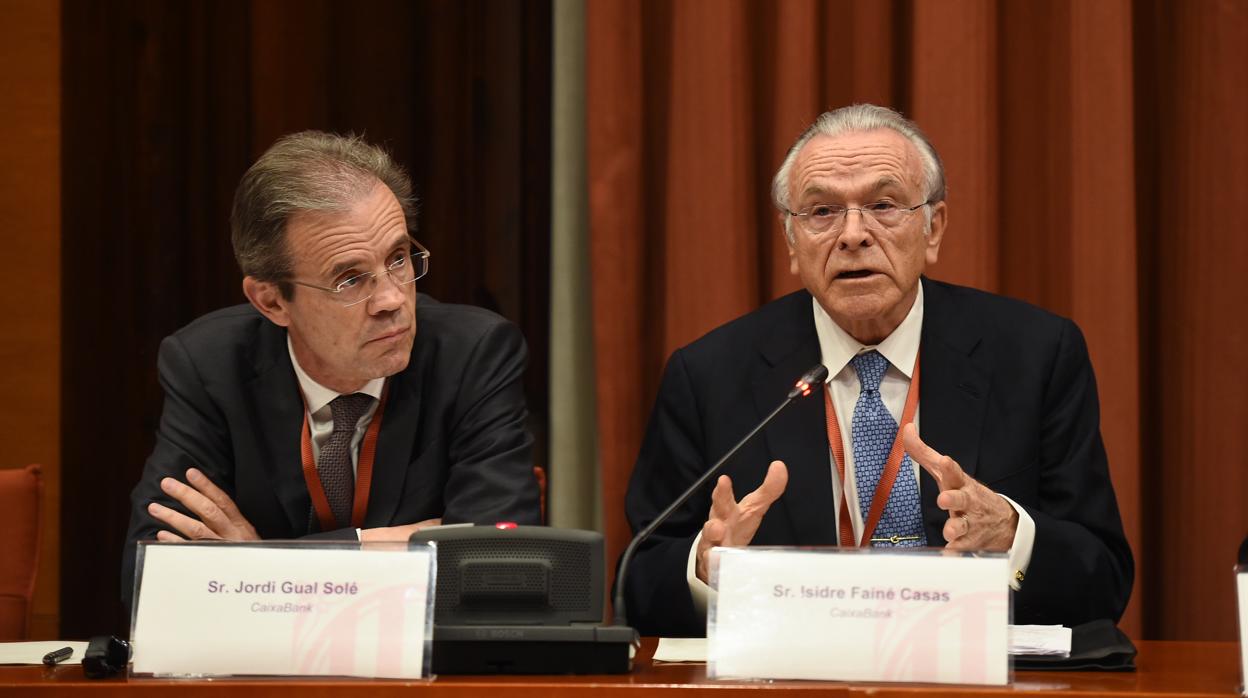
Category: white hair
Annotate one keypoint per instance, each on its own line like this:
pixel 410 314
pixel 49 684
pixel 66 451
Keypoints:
pixel 853 119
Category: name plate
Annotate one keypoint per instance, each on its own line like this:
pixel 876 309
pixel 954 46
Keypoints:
pixel 859 615
pixel 222 609
pixel 1241 581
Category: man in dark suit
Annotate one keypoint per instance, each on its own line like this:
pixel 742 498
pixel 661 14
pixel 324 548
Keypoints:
pixel 339 403
pixel 1010 459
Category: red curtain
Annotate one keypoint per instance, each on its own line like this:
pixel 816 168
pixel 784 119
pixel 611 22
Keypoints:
pixel 1097 159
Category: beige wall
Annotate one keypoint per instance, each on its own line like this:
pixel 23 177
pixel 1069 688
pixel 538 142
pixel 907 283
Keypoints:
pixel 30 232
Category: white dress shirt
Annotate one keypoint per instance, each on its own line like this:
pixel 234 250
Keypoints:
pixel 901 347
pixel 321 416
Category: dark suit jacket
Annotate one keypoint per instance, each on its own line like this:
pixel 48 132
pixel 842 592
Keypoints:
pixel 453 441
pixel 1007 390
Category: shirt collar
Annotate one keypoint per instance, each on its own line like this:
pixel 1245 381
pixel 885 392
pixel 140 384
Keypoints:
pixel 901 347
pixel 318 396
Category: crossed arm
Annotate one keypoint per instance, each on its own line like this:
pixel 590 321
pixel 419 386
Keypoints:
pixel 216 516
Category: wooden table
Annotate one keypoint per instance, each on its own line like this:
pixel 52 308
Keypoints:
pixel 1171 669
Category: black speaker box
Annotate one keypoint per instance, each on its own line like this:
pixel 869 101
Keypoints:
pixel 523 600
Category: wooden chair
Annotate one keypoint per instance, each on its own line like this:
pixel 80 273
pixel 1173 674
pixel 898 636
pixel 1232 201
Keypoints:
pixel 20 490
pixel 540 473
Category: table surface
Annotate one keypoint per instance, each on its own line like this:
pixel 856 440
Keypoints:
pixel 1172 669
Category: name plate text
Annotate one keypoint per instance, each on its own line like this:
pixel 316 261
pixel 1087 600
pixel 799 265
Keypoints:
pixel 306 610
pixel 855 615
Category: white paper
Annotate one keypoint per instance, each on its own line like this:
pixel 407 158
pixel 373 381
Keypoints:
pixel 209 610
pixel 859 615
pixel 1242 581
pixel 32 652
pixel 1040 639
pixel 1024 639
pixel 674 650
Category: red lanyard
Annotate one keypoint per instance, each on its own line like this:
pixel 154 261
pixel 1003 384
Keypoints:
pixel 891 466
pixel 363 477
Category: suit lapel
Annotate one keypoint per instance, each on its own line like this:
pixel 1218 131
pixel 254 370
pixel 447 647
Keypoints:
pixel 954 393
pixel 278 415
pixel 798 435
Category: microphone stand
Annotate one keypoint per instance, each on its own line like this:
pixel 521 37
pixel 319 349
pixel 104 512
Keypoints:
pixel 805 385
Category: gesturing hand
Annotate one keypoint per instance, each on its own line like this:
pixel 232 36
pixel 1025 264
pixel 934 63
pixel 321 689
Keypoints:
pixel 735 523
pixel 979 519
pixel 219 518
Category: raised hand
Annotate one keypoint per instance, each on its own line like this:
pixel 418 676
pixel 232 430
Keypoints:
pixel 979 519
pixel 735 523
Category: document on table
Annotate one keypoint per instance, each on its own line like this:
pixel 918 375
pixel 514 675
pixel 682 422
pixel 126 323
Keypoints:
pixel 1024 639
pixel 1051 640
pixel 673 650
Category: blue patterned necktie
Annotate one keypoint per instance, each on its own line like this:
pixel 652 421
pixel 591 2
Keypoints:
pixel 873 432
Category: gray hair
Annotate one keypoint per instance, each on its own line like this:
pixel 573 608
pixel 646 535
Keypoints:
pixel 857 118
pixel 305 171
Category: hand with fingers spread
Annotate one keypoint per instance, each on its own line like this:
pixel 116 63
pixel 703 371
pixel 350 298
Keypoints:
pixel 735 523
pixel 216 517
pixel 979 519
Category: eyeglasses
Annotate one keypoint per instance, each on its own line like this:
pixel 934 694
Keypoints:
pixel 404 267
pixel 823 218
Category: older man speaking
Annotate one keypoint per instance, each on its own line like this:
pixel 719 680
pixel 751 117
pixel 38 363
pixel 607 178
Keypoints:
pixel 1000 438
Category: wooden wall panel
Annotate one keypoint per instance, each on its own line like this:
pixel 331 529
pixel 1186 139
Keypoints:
pixel 616 159
pixel 956 98
pixel 1194 222
pixel 1103 248
pixel 708 76
pixel 30 196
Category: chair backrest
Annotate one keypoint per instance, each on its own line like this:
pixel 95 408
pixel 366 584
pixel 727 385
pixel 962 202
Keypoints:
pixel 540 473
pixel 20 490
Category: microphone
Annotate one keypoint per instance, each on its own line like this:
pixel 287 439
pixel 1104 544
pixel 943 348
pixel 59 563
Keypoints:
pixel 804 386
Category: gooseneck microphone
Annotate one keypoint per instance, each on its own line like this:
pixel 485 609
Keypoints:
pixel 808 383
